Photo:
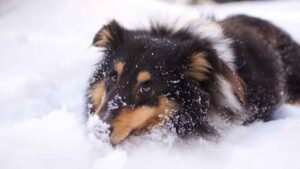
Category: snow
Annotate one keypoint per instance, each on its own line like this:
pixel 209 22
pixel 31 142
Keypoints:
pixel 46 59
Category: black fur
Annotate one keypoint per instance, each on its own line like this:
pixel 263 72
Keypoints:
pixel 268 60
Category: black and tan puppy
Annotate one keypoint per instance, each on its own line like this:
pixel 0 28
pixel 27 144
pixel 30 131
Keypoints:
pixel 193 77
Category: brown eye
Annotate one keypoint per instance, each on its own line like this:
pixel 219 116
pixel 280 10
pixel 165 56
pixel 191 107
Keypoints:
pixel 114 78
pixel 145 88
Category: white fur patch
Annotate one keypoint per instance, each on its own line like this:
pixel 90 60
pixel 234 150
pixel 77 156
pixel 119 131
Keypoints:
pixel 230 99
pixel 207 28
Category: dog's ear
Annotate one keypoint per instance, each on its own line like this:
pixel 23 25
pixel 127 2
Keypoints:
pixel 109 35
pixel 202 68
pixel 198 67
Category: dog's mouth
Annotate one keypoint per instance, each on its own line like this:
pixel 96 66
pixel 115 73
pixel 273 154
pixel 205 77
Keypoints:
pixel 115 132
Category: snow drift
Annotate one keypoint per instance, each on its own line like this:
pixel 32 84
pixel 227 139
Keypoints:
pixel 46 60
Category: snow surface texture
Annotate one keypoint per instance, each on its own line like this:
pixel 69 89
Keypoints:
pixel 45 62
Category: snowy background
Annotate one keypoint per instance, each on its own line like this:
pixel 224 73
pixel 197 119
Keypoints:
pixel 46 59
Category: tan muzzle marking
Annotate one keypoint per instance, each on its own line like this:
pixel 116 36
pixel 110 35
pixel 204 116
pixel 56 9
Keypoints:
pixel 141 118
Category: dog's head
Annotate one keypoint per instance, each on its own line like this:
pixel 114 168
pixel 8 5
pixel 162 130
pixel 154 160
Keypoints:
pixel 145 76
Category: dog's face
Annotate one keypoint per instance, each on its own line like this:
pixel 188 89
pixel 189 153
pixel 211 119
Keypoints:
pixel 138 83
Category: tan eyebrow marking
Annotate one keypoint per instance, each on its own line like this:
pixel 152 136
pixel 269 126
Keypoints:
pixel 143 76
pixel 119 67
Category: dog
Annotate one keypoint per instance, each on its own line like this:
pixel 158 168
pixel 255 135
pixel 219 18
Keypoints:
pixel 190 77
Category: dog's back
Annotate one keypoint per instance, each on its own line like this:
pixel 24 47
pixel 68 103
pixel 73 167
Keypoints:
pixel 268 60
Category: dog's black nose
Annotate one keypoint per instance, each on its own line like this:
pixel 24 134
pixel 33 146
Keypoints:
pixel 111 108
pixel 108 115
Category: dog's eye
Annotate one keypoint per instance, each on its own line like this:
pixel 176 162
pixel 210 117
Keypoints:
pixel 114 78
pixel 145 88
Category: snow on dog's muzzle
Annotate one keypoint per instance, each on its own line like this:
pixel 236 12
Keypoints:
pixel 99 128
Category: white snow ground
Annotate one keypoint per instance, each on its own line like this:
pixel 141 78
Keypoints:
pixel 46 59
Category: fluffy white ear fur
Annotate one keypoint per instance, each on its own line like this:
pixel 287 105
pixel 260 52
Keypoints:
pixel 207 28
